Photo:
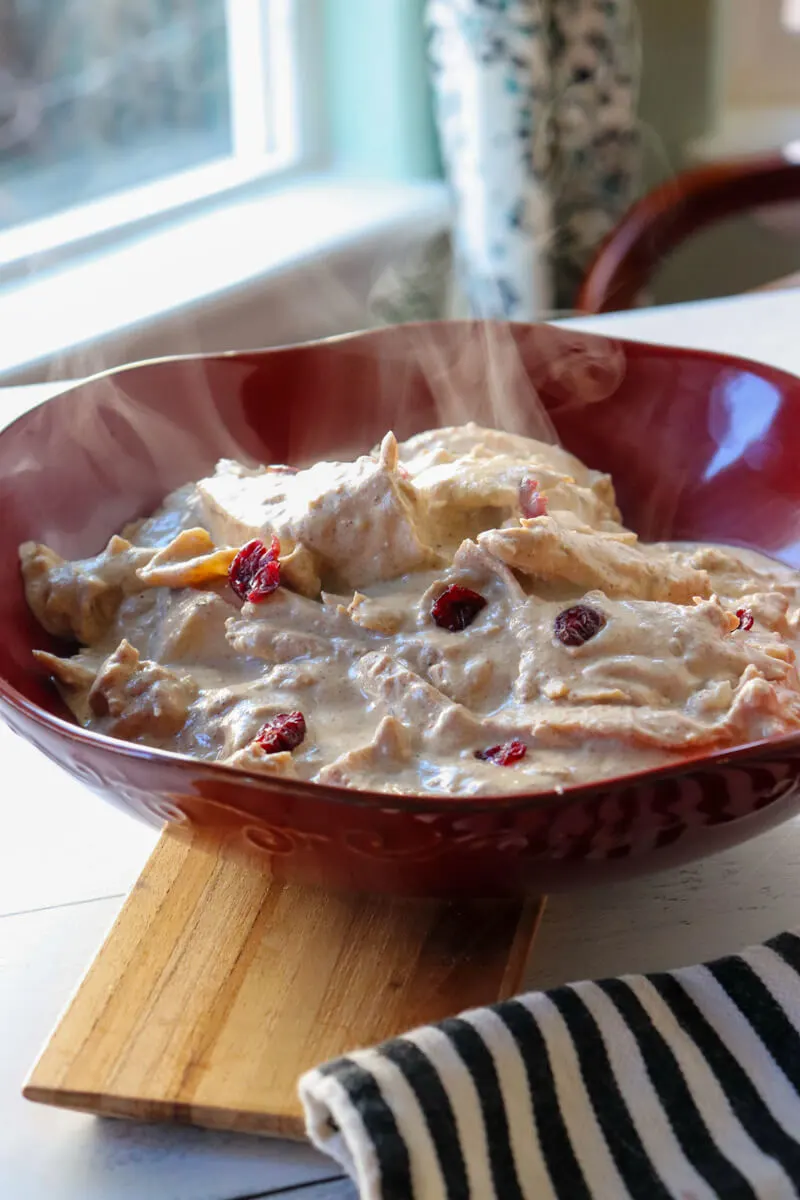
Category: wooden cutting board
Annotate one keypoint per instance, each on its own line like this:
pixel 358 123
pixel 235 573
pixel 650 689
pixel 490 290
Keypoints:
pixel 217 987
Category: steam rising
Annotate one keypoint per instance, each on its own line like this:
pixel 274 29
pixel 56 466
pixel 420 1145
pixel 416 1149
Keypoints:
pixel 489 372
pixel 486 382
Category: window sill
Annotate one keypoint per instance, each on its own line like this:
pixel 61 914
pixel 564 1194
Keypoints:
pixel 294 263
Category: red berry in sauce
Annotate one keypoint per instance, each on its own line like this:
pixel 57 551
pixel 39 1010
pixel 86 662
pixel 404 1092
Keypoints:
pixel 255 572
pixel 577 625
pixel 504 755
pixel 266 580
pixel 531 502
pixel 457 607
pixel 284 732
pixel 745 618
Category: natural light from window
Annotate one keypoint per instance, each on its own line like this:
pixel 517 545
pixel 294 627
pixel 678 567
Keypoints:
pixel 790 15
pixel 113 111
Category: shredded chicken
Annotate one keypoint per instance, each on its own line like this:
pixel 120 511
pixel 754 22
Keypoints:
pixel 133 697
pixel 429 605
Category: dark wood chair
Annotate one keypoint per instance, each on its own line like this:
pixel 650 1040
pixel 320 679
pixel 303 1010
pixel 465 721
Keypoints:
pixel 674 211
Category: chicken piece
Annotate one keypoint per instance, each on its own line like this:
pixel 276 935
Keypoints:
pixel 466 497
pixel 768 609
pixel 192 628
pixel 376 615
pixel 646 653
pixel 407 608
pixel 476 667
pixel 255 759
pixel 473 479
pixel 299 571
pixel 449 443
pixel 190 560
pixel 589 559
pixel 360 520
pixel 758 709
pixel 415 703
pixel 80 599
pixel 71 600
pixel 474 568
pixel 475 565
pixel 133 698
pixel 256 639
pixel 287 626
pixel 166 624
pixel 76 674
pixel 479 677
pixel 390 749
pixel 236 502
pixel 733 577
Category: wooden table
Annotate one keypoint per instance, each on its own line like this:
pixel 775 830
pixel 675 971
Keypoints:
pixel 67 860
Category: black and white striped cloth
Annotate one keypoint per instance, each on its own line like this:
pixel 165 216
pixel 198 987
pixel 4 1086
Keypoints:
pixel 684 1084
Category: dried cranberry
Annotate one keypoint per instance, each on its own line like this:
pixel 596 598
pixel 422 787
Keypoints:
pixel 504 755
pixel 457 607
pixel 577 625
pixel 745 618
pixel 531 502
pixel 255 572
pixel 284 732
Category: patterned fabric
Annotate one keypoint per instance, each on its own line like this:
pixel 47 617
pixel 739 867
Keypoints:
pixel 536 112
pixel 683 1085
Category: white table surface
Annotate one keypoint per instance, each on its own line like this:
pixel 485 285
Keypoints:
pixel 67 861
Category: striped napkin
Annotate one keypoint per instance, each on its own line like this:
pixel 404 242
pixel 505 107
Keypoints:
pixel 683 1084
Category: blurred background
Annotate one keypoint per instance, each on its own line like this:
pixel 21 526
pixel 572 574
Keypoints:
pixel 181 175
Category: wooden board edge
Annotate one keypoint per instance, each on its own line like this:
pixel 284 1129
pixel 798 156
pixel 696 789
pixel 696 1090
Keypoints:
pixel 512 952
pixel 288 1127
pixel 530 920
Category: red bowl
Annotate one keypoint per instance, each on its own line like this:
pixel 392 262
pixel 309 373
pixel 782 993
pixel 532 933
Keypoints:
pixel 701 447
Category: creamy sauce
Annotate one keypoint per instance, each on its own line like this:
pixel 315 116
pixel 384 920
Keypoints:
pixel 392 701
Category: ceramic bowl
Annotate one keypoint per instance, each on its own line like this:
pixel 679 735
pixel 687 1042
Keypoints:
pixel 700 446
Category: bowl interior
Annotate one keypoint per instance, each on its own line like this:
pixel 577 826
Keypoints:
pixel 700 446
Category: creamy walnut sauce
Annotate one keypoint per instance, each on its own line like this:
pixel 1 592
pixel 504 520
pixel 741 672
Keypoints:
pixel 462 614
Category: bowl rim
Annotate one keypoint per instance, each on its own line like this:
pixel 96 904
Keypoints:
pixel 423 803
pixel 637 345
pixel 437 804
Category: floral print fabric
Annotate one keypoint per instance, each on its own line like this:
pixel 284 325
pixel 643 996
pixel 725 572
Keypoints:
pixel 536 107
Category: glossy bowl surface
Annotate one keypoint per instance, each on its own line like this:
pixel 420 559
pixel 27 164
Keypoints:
pixel 701 447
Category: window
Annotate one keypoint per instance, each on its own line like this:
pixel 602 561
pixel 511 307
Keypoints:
pixel 112 111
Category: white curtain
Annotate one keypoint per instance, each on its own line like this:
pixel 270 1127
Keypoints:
pixel 536 108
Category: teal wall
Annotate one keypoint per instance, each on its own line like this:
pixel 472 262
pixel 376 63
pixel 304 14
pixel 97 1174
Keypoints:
pixel 378 110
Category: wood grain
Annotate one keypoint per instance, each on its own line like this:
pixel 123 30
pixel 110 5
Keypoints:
pixel 217 987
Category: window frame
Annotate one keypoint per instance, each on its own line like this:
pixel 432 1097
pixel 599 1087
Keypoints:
pixel 275 132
